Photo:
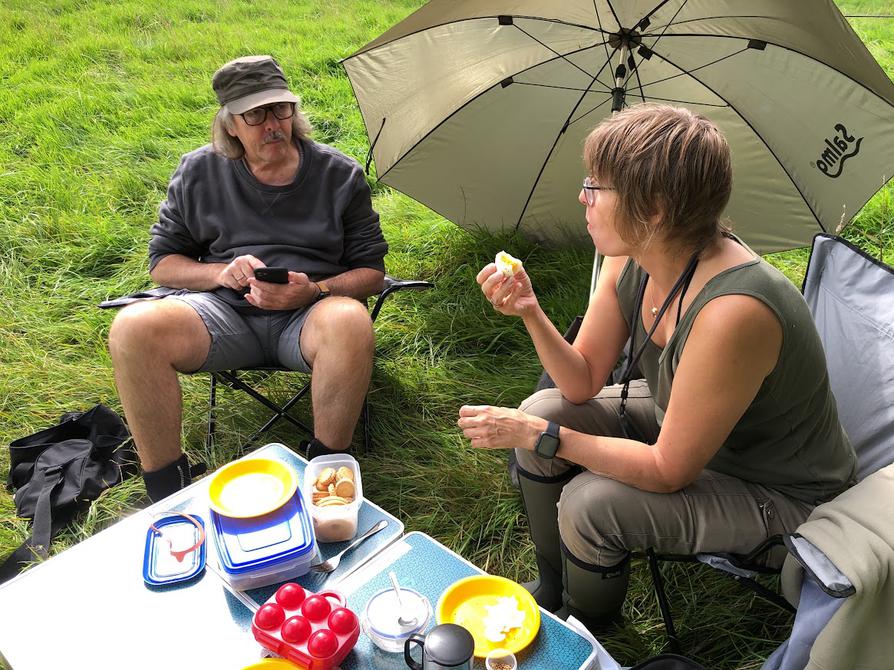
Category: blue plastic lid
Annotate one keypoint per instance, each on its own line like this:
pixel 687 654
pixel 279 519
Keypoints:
pixel 246 545
pixel 165 558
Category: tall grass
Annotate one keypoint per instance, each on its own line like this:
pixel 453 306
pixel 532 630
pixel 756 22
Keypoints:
pixel 98 101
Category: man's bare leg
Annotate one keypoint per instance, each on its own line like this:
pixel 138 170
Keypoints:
pixel 337 341
pixel 150 342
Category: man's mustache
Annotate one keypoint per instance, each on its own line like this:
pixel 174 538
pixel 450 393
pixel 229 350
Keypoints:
pixel 274 136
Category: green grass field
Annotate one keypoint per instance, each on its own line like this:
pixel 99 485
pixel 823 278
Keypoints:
pixel 98 101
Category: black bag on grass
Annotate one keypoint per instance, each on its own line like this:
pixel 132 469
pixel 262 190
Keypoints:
pixel 58 471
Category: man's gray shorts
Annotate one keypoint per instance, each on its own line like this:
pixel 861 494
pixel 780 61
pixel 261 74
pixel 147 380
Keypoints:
pixel 240 340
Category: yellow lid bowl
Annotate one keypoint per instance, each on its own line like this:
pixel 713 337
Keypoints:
pixel 251 487
pixel 464 603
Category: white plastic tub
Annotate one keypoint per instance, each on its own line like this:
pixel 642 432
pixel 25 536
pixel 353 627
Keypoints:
pixel 334 523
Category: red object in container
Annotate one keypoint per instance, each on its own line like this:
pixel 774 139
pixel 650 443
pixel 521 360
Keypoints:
pixel 314 630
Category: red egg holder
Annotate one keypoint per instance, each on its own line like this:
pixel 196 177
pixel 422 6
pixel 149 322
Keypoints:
pixel 305 627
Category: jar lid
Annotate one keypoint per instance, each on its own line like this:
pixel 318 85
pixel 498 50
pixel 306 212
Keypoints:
pixel 383 613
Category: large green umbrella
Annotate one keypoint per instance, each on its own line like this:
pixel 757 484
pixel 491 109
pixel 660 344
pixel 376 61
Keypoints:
pixel 479 108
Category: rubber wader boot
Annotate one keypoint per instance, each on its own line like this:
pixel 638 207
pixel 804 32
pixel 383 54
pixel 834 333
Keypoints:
pixel 591 593
pixel 540 496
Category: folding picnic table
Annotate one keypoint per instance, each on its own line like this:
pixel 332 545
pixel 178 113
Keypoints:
pixel 88 607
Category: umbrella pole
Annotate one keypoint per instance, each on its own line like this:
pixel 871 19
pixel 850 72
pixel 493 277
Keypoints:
pixel 618 92
pixel 618 95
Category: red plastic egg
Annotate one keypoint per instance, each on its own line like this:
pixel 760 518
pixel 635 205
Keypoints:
pixel 322 644
pixel 295 629
pixel 342 621
pixel 316 608
pixel 290 596
pixel 269 616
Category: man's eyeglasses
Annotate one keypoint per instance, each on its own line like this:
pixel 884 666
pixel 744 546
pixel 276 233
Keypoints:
pixel 257 116
pixel 590 188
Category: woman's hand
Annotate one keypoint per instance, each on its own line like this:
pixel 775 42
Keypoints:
pixel 499 427
pixel 512 296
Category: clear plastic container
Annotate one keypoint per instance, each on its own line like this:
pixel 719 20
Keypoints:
pixel 382 621
pixel 335 523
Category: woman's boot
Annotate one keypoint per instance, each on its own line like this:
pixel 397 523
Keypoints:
pixel 591 593
pixel 540 496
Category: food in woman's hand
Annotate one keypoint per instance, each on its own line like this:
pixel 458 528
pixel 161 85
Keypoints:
pixel 508 265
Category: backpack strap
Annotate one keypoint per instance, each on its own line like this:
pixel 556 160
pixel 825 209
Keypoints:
pixel 38 545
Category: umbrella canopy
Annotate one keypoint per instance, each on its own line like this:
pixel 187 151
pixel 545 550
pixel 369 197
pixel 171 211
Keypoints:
pixel 479 108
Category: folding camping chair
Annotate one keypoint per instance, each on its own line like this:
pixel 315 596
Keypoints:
pixel 232 379
pixel 237 380
pixel 851 297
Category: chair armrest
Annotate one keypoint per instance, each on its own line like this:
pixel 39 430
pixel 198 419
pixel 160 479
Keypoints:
pixel 393 285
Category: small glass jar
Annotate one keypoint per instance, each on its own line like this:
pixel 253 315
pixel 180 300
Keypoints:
pixel 382 619
pixel 500 659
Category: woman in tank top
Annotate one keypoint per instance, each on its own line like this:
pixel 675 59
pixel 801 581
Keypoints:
pixel 732 435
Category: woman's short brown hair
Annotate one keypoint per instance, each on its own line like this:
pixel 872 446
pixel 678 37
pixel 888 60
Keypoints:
pixel 229 146
pixel 663 160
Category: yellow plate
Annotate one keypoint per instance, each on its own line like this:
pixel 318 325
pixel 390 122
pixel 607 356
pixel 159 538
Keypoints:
pixel 251 487
pixel 464 603
pixel 272 664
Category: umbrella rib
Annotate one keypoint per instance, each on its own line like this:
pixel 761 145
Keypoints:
pixel 636 65
pixel 365 50
pixel 601 29
pixel 757 134
pixel 549 154
pixel 615 14
pixel 696 69
pixel 688 102
pixel 785 48
pixel 546 46
pixel 590 111
pixel 563 88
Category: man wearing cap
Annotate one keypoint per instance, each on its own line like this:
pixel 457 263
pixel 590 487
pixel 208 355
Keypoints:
pixel 262 194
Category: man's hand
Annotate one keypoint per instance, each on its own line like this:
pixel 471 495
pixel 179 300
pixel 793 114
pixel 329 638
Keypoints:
pixel 299 292
pixel 240 270
pixel 512 296
pixel 499 427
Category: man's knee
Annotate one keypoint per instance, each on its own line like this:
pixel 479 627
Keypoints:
pixel 173 333
pixel 345 323
pixel 592 511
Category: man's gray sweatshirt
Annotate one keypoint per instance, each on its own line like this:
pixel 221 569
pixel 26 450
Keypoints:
pixel 321 224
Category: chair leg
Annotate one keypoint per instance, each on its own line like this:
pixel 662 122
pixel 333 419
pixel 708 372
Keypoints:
pixel 663 605
pixel 212 419
pixel 765 593
pixel 367 428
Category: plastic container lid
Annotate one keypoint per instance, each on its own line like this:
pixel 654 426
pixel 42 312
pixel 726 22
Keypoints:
pixel 175 550
pixel 382 617
pixel 247 545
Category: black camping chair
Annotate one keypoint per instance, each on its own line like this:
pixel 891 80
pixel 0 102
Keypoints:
pixel 851 297
pixel 243 379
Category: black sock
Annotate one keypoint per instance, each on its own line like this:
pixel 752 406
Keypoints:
pixel 169 479
pixel 316 448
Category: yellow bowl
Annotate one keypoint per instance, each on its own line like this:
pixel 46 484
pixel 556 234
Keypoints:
pixel 251 487
pixel 464 603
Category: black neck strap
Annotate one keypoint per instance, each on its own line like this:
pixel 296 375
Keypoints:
pixel 680 286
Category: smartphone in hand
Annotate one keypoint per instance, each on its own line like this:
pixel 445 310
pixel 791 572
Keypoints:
pixel 272 275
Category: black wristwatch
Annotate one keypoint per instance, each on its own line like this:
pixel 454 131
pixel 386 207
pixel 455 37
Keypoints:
pixel 548 442
pixel 324 291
